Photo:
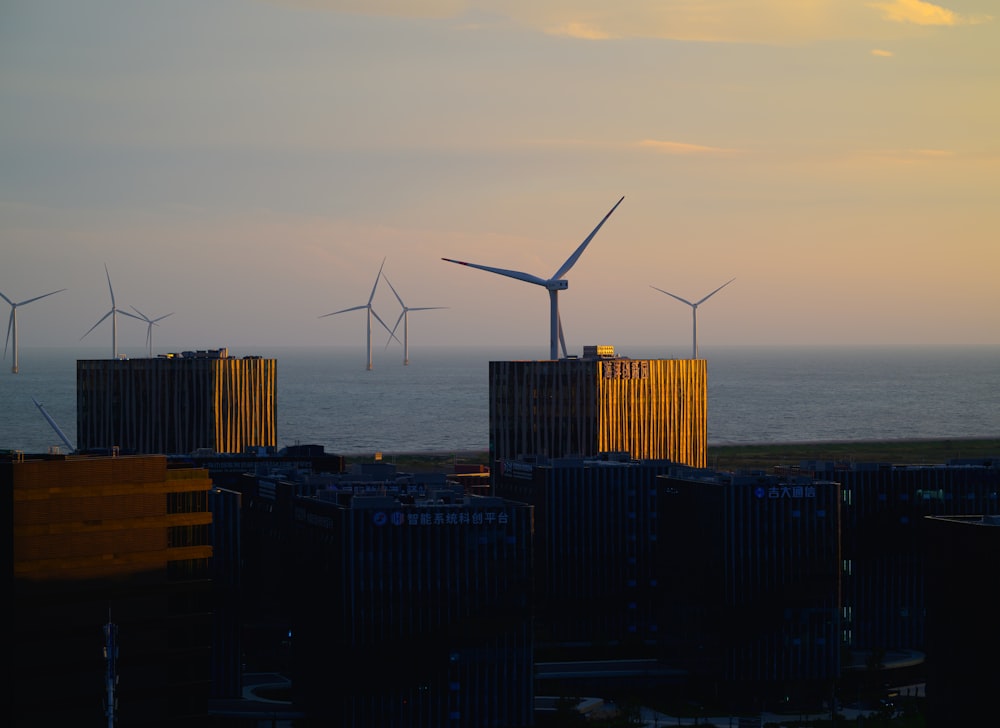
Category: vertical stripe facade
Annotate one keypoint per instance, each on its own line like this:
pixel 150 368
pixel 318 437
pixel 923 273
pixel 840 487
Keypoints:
pixel 176 405
pixel 652 409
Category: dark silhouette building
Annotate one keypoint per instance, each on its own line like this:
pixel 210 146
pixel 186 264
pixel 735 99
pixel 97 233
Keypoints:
pixel 652 409
pixel 884 521
pixel 121 542
pixel 963 579
pixel 408 600
pixel 599 580
pixel 753 612
pixel 177 403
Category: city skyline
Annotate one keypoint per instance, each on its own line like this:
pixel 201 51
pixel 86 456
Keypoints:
pixel 261 158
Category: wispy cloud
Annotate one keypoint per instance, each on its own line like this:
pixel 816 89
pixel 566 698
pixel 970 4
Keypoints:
pixel 882 53
pixel 919 12
pixel 681 148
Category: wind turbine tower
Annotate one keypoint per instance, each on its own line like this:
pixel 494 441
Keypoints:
pixel 694 312
pixel 404 317
pixel 113 313
pixel 12 323
pixel 553 285
pixel 150 323
pixel 368 319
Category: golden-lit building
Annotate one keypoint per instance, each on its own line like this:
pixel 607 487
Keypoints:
pixel 177 404
pixel 653 409
pixel 97 542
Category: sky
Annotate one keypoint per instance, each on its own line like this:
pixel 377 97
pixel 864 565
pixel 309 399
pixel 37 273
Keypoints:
pixel 248 165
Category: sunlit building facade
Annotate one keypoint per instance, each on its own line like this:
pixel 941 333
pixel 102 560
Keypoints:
pixel 653 409
pixel 202 400
pixel 96 541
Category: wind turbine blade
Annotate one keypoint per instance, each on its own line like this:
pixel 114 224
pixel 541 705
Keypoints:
pixel 109 286
pixel 715 291
pixel 10 325
pixel 503 272
pixel 392 334
pixel 682 300
pixel 97 324
pixel 132 315
pixel 426 308
pixel 144 316
pixel 343 310
pixel 576 253
pixel 37 297
pixel 393 289
pixel 379 319
pixel 7 299
pixel 376 282
pixel 562 339
pixel 160 318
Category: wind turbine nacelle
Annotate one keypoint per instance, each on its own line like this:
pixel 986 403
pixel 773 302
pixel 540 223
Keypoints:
pixel 557 285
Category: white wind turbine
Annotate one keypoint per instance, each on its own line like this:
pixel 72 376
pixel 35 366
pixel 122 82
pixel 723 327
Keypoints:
pixel 404 317
pixel 694 311
pixel 370 313
pixel 113 313
pixel 150 323
pixel 12 323
pixel 553 285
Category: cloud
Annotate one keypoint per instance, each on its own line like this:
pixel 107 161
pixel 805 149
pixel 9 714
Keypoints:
pixel 882 53
pixel 919 12
pixel 680 148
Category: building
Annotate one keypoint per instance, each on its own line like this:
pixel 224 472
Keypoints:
pixel 754 609
pixel 408 601
pixel 962 644
pixel 177 403
pixel 116 543
pixel 884 523
pixel 599 581
pixel 652 409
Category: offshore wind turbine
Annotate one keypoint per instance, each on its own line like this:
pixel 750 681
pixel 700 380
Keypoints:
pixel 694 312
pixel 368 319
pixel 113 313
pixel 150 323
pixel 553 285
pixel 12 324
pixel 404 317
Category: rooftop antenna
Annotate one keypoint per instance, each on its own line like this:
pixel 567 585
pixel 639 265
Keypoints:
pixel 12 324
pixel 48 418
pixel 553 285
pixel 404 317
pixel 370 313
pixel 694 312
pixel 113 313
pixel 150 323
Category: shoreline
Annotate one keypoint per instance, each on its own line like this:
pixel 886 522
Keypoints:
pixel 759 455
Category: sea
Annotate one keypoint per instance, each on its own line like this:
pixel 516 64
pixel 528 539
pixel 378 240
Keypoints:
pixel 438 403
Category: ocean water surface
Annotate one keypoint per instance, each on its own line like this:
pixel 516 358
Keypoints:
pixel 439 402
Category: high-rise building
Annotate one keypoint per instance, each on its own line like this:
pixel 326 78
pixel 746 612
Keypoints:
pixel 102 547
pixel 177 403
pixel 884 541
pixel 962 582
pixel 755 602
pixel 653 409
pixel 408 601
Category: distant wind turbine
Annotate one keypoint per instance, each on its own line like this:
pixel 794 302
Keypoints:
pixel 12 324
pixel 553 285
pixel 150 323
pixel 694 312
pixel 370 313
pixel 113 313
pixel 404 317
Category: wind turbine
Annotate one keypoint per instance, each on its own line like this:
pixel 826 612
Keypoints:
pixel 371 312
pixel 553 285
pixel 150 323
pixel 404 317
pixel 12 324
pixel 113 313
pixel 694 311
